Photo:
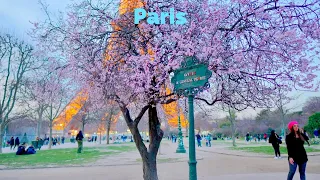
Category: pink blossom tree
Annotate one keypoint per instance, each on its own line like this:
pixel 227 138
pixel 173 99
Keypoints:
pixel 49 89
pixel 253 48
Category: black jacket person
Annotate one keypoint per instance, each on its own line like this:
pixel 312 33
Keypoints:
pixel 274 140
pixel 297 155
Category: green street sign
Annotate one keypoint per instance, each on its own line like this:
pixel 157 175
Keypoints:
pixel 192 77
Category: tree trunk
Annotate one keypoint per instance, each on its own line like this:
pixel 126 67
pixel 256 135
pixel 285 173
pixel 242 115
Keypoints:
pixel 233 135
pixel 232 119
pixel 155 135
pixel 149 156
pixel 38 128
pixel 155 132
pixel 108 130
pixel 282 128
pixel 50 134
pixel 149 159
pixel 39 125
pixel 1 137
pixel 82 128
pixel 150 168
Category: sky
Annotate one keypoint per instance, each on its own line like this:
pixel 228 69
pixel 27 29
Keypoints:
pixel 15 17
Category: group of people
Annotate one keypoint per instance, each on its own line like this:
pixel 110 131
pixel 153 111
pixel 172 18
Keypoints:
pixel 173 138
pixel 206 137
pixel 13 143
pixel 297 156
pixel 92 139
pixel 257 137
pixel 55 140
pixel 25 149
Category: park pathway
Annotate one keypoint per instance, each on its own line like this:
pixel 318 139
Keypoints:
pixel 211 165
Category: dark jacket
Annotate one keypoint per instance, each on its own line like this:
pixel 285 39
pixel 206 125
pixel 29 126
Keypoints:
pixel 21 150
pixel 296 149
pixel 31 150
pixel 17 141
pixel 11 142
pixel 274 138
pixel 247 136
pixel 198 137
pixel 79 136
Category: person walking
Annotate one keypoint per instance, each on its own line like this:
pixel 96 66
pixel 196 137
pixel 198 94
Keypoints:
pixel 248 137
pixel 274 139
pixel 209 140
pixel 265 136
pixel 62 139
pixel 11 143
pixel 16 142
pixel 297 155
pixel 199 140
pixel 79 139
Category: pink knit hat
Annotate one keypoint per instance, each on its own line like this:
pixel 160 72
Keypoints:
pixel 291 124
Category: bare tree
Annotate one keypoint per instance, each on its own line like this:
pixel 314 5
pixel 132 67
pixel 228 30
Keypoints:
pixel 281 102
pixel 55 96
pixel 111 117
pixel 85 114
pixel 15 60
pixel 33 100
pixel 232 120
pixel 312 106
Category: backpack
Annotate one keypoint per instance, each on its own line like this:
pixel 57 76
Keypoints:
pixel 279 140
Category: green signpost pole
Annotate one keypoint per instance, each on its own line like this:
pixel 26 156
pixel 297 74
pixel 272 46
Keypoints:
pixel 192 147
pixel 190 79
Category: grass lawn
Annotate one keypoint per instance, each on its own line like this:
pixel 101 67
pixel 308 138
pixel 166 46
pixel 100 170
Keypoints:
pixel 269 149
pixel 56 157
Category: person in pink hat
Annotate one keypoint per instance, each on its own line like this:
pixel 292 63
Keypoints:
pixel 297 155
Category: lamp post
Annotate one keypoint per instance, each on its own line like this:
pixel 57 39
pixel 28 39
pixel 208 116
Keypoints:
pixel 180 148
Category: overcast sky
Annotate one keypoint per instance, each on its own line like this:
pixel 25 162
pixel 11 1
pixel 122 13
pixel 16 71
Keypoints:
pixel 15 17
